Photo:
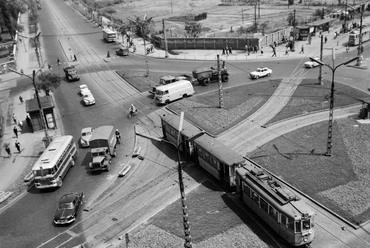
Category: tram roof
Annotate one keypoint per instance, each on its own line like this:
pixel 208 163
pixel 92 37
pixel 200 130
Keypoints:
pixel 188 129
pixel 219 150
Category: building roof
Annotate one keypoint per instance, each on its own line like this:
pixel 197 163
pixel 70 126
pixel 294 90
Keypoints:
pixel 321 22
pixel 45 101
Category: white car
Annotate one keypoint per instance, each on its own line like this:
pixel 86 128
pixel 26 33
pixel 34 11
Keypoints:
pixel 88 98
pixel 261 72
pixel 83 88
pixel 311 64
pixel 86 134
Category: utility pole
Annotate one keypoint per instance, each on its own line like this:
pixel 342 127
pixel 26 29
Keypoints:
pixel 345 19
pixel 321 55
pixel 259 8
pixel 220 93
pixel 293 46
pixel 255 17
pixel 359 48
pixel 165 39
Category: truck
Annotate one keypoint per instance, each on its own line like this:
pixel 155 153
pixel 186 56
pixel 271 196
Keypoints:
pixel 109 35
pixel 170 79
pixel 71 73
pixel 123 51
pixel 206 75
pixel 102 147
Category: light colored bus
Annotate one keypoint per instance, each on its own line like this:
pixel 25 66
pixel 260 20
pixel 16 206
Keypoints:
pixel 109 35
pixel 53 165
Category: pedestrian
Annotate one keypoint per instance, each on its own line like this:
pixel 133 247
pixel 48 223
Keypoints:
pixel 326 39
pixel 75 57
pixel 49 66
pixel 58 61
pixel 246 48
pixel 286 51
pixel 108 54
pixel 261 50
pixel 21 99
pixel 20 40
pixel 18 146
pixel 274 52
pixel 20 125
pixel 230 50
pixel 227 50
pixel 152 48
pixel 134 48
pixel 7 149
pixel 14 118
pixel 223 51
pixel 28 120
pixel 347 48
pixel 15 130
pixel 223 64
pixel 302 49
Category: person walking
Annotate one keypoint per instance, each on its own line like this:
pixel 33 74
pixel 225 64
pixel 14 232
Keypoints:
pixel 75 57
pixel 28 120
pixel 14 118
pixel 274 52
pixel 302 49
pixel 18 146
pixel 15 130
pixel 286 51
pixel 347 48
pixel 230 50
pixel 7 149
pixel 58 61
pixel 49 66
pixel 261 50
pixel 21 99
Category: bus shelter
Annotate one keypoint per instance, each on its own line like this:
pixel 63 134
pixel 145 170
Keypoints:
pixel 321 25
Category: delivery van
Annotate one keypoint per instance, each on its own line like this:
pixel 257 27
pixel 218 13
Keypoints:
pixel 165 94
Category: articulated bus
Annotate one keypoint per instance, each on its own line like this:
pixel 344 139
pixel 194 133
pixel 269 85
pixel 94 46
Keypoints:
pixel 278 206
pixel 109 35
pixel 53 165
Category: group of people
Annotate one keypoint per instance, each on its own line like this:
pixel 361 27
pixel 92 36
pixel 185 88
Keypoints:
pixel 17 146
pixel 251 49
pixel 227 50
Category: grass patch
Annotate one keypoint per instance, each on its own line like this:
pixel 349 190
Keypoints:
pixel 339 182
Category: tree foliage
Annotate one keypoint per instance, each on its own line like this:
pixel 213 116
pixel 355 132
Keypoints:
pixel 9 10
pixel 193 29
pixel 142 26
pixel 48 82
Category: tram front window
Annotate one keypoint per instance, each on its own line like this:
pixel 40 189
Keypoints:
pixel 306 224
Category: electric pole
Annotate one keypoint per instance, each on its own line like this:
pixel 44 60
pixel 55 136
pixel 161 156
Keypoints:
pixel 321 52
pixel 165 39
pixel 220 93
pixel 359 48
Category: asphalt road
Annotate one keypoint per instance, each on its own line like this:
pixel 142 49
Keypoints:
pixel 28 223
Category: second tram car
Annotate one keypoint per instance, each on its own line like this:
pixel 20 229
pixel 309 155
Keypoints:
pixel 278 206
pixel 354 37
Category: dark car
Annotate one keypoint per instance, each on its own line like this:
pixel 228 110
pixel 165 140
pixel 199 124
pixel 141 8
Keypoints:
pixel 68 208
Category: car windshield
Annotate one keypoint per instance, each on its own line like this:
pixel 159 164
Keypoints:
pixel 68 205
pixel 86 134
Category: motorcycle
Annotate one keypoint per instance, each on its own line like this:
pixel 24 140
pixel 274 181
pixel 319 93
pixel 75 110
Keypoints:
pixel 132 113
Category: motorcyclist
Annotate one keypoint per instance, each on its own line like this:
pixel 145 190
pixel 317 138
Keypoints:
pixel 132 109
pixel 118 136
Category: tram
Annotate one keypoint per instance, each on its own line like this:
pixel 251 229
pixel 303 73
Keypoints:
pixel 207 152
pixel 278 206
pixel 354 37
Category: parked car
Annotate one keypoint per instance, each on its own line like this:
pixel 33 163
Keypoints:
pixel 68 208
pixel 86 134
pixel 311 64
pixel 83 88
pixel 88 98
pixel 261 72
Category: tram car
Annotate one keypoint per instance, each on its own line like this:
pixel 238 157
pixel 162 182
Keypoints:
pixel 207 152
pixel 354 37
pixel 278 206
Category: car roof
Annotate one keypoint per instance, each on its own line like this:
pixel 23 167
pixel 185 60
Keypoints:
pixel 69 197
pixel 86 129
pixel 83 86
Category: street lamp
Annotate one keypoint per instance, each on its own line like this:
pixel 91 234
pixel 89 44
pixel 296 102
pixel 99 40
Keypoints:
pixel 188 239
pixel 332 68
pixel 47 138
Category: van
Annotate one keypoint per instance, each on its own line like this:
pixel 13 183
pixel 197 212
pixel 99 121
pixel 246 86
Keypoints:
pixel 165 94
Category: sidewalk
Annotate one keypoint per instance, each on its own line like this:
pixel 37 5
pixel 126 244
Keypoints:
pixel 14 168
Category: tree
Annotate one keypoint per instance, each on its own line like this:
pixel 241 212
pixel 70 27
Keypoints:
pixel 193 28
pixel 9 10
pixel 47 82
pixel 142 26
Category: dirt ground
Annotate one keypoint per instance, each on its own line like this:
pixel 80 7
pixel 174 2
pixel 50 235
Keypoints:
pixel 220 16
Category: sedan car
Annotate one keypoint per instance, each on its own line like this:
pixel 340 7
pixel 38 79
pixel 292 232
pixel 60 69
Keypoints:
pixel 311 64
pixel 261 72
pixel 88 98
pixel 83 88
pixel 68 208
pixel 86 134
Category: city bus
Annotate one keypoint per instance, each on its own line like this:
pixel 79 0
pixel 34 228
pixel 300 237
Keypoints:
pixel 53 165
pixel 109 35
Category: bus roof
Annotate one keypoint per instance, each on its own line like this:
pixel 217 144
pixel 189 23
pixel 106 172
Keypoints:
pixel 53 152
pixel 109 30
pixel 219 150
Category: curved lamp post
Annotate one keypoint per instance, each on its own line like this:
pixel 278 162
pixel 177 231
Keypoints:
pixel 332 68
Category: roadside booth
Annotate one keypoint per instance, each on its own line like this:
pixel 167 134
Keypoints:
pixel 47 105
